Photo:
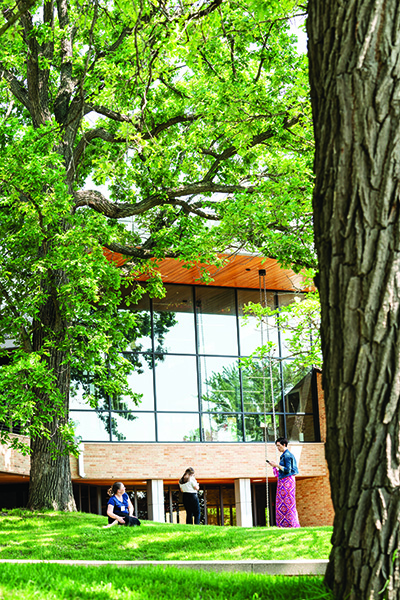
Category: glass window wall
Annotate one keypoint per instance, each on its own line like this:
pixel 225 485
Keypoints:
pixel 91 426
pixel 222 427
pixel 219 384
pixel 141 338
pixel 260 428
pixel 193 378
pixel 216 321
pixel 141 382
pixel 176 383
pixel 258 393
pixel 178 427
pixel 133 427
pixel 174 320
pixel 250 327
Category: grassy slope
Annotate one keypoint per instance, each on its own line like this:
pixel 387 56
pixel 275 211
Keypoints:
pixel 56 582
pixel 81 536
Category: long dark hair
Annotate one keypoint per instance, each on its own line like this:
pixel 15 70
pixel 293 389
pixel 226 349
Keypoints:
pixel 186 476
pixel 114 489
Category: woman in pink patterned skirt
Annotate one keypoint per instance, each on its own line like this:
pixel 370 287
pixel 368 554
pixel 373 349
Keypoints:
pixel 286 511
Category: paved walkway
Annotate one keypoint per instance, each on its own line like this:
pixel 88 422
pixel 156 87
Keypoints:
pixel 266 567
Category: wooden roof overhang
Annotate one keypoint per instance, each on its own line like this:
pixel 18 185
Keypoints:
pixel 238 271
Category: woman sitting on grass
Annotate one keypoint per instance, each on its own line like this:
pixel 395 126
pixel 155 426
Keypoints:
pixel 119 507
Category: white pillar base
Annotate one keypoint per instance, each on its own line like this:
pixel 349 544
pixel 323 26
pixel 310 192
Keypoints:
pixel 155 500
pixel 244 513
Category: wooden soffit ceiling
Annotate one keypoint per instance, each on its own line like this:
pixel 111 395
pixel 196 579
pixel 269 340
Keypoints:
pixel 239 271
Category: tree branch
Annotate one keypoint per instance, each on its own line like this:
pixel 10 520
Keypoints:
pixel 231 43
pixel 107 112
pixel 210 66
pixel 114 210
pixel 66 86
pixel 172 88
pixel 134 252
pixel 110 137
pixel 11 303
pixel 16 87
pixel 205 11
pixel 257 139
pixel 13 18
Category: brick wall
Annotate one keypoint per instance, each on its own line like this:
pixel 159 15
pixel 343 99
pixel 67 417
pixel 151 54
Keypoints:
pixel 210 461
pixel 12 462
pixel 314 504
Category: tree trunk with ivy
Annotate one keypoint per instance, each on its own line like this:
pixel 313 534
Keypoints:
pixel 354 54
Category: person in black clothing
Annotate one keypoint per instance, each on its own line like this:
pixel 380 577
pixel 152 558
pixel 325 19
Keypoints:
pixel 190 487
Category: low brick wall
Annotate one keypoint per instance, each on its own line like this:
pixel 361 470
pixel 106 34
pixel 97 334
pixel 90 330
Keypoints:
pixel 314 504
pixel 12 462
pixel 210 461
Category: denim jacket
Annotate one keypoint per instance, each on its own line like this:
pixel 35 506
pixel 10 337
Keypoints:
pixel 289 464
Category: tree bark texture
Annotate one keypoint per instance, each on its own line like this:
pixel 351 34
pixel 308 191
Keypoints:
pixel 354 53
pixel 50 484
pixel 50 478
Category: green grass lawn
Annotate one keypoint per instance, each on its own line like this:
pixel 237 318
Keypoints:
pixel 59 582
pixel 80 536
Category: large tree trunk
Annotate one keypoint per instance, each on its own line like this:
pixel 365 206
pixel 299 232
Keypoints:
pixel 50 478
pixel 354 52
pixel 50 475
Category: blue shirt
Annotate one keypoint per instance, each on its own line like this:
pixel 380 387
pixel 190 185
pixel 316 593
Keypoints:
pixel 289 464
pixel 121 509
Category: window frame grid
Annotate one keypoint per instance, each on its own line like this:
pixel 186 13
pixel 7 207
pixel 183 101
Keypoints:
pixel 199 356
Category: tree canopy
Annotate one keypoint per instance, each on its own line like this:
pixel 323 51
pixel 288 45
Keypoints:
pixel 189 121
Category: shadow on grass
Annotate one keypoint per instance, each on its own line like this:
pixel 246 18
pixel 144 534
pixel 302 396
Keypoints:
pixel 47 582
pixel 80 536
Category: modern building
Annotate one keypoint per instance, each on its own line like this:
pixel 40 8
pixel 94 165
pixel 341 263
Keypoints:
pixel 202 405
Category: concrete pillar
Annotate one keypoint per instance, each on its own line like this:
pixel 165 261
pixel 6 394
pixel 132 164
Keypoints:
pixel 99 511
pixel 244 514
pixel 81 467
pixel 155 500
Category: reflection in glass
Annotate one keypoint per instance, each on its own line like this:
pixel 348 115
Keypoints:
pixel 222 427
pixel 220 384
pixel 286 332
pixel 91 426
pixel 259 426
pixel 258 394
pixel 141 382
pixel 76 396
pixel 300 428
pixel 286 298
pixel 177 375
pixel 178 427
pixel 141 336
pixel 82 385
pixel 249 326
pixel 178 304
pixel 299 397
pixel 176 383
pixel 213 506
pixel 228 501
pixel 133 427
pixel 216 321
